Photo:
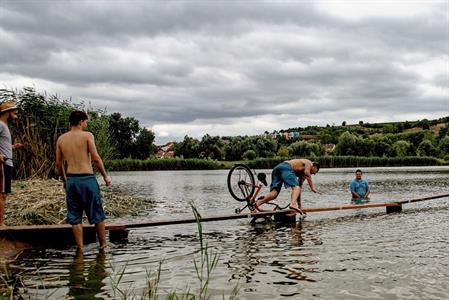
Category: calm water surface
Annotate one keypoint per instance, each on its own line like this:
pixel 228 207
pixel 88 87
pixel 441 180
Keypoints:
pixel 336 255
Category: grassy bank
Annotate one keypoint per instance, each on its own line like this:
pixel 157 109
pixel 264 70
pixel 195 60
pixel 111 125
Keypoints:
pixel 268 163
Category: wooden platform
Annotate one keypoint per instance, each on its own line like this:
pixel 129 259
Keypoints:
pixel 44 235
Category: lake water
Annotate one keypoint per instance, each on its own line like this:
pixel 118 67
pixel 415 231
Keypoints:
pixel 364 254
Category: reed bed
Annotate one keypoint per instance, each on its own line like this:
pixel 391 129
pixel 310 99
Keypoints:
pixel 162 164
pixel 39 202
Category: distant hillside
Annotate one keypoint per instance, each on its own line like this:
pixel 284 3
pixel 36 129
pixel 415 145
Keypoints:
pixel 373 128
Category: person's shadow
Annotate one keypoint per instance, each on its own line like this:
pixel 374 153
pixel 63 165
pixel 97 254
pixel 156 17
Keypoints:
pixel 90 286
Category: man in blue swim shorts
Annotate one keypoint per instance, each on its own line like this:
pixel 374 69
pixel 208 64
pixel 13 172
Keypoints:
pixel 77 148
pixel 292 174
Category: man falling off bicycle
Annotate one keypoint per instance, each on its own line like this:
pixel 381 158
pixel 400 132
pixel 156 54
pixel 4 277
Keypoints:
pixel 291 173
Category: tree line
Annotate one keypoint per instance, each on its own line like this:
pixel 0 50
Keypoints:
pixel 420 138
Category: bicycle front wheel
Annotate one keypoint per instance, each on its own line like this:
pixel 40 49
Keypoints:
pixel 241 182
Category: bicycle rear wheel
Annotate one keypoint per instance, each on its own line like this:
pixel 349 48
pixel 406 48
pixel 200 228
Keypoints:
pixel 241 182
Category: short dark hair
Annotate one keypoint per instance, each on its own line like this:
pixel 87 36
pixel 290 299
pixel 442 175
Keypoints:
pixel 358 170
pixel 317 165
pixel 77 116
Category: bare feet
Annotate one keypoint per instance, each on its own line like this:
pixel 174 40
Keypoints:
pixel 298 210
pixel 103 247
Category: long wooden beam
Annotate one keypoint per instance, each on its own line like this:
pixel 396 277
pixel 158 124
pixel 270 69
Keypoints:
pixel 44 234
pixel 423 198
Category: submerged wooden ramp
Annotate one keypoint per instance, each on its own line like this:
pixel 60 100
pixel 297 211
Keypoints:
pixel 62 234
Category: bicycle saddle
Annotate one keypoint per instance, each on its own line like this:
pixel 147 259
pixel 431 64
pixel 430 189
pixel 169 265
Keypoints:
pixel 262 177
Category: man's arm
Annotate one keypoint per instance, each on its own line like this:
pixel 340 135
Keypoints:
pixel 59 162
pixel 352 189
pixel 307 168
pixel 368 192
pixel 96 158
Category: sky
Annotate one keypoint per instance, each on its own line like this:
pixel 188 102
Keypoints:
pixel 233 68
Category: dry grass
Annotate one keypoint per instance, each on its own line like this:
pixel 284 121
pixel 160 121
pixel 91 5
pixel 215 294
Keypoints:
pixel 37 201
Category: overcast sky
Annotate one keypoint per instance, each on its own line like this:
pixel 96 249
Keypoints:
pixel 233 67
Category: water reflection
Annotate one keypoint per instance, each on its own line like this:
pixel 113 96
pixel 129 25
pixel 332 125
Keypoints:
pixel 87 286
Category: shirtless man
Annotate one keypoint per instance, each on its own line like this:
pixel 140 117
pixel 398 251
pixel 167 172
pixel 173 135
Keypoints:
pixel 77 149
pixel 292 173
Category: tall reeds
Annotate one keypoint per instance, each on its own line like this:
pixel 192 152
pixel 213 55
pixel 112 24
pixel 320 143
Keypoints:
pixel 162 164
pixel 41 120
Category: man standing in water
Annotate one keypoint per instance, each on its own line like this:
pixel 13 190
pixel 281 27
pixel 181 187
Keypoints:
pixel 77 148
pixel 291 173
pixel 8 113
pixel 359 188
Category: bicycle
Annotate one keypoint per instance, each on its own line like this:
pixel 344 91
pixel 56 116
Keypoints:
pixel 243 187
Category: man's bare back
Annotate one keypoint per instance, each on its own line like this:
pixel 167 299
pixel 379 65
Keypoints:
pixel 300 165
pixel 74 146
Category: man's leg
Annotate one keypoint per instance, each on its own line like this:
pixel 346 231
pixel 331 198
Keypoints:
pixel 2 208
pixel 267 198
pixel 295 198
pixel 101 233
pixel 78 235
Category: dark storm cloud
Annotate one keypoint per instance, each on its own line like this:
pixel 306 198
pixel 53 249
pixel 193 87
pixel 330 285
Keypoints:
pixel 219 62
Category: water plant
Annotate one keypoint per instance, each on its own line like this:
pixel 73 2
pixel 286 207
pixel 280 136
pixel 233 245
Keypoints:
pixel 204 266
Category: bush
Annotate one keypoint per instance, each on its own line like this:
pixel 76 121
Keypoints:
pixel 249 155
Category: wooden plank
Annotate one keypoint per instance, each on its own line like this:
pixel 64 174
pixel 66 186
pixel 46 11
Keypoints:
pixel 423 198
pixel 207 218
pixel 65 229
pixel 350 206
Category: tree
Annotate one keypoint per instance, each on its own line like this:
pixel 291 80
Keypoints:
pixel 211 147
pixel 123 132
pixel 444 145
pixel 305 149
pixel 188 148
pixel 401 148
pixel 283 151
pixel 264 146
pixel 143 146
pixel 347 144
pixel 426 148
pixel 249 155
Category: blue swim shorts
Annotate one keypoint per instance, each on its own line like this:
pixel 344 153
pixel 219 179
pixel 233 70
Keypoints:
pixel 283 173
pixel 83 194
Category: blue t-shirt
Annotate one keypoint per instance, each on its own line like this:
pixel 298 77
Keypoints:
pixel 359 186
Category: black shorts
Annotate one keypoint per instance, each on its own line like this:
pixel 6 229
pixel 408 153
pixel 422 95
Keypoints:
pixel 5 178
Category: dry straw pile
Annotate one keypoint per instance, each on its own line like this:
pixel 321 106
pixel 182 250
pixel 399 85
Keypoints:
pixel 36 201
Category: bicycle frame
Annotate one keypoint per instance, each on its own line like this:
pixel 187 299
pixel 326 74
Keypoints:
pixel 250 202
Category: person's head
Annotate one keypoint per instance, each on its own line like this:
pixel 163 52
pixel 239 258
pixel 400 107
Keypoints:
pixel 315 168
pixel 78 117
pixel 358 174
pixel 9 110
